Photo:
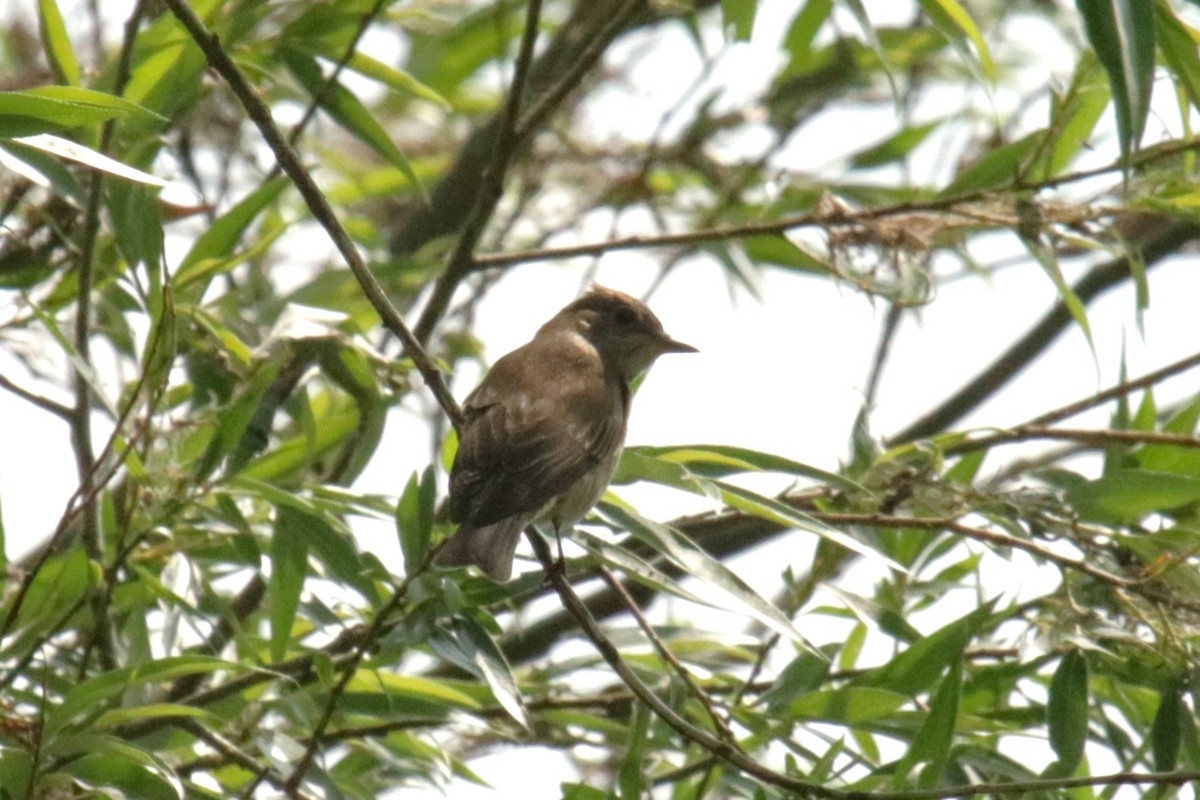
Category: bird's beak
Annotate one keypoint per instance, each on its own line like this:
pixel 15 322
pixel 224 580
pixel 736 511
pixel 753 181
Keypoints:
pixel 669 345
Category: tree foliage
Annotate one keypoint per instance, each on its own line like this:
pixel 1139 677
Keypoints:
pixel 204 621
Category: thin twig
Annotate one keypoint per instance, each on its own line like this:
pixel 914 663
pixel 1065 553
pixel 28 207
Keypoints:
pixel 59 410
pixel 258 112
pixel 1095 438
pixel 491 183
pixel 231 753
pixel 1117 390
pixel 513 130
pixel 722 726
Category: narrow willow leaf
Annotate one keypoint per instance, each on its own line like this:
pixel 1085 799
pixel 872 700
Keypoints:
pixel 739 17
pixel 1067 712
pixel 1166 733
pixel 414 517
pixel 956 24
pixel 289 568
pixel 1122 32
pixel 73 151
pixel 693 560
pixel 56 42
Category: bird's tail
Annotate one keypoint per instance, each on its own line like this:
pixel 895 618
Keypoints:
pixel 489 547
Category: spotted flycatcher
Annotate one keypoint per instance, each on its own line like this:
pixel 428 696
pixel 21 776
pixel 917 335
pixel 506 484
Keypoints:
pixel 542 433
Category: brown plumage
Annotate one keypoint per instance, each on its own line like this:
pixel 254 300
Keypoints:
pixel 542 433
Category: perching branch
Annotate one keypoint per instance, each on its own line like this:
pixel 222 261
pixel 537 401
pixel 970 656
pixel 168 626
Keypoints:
pixel 258 112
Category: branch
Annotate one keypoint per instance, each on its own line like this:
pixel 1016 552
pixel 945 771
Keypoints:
pixel 665 653
pixel 1100 279
pixel 1117 390
pixel 491 184
pixel 258 112
pixel 1094 438
pixel 46 404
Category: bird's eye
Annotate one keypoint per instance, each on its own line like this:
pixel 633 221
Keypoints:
pixel 626 316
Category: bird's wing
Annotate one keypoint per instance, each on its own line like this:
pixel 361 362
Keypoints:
pixel 542 418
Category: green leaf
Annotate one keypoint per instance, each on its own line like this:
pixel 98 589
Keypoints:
pixel 719 461
pixel 780 251
pixel 738 15
pixel 639 569
pixel 1128 494
pixel 694 561
pixel 123 716
pixel 49 109
pixel 803 30
pixel 894 148
pixel 1073 117
pixel 1179 45
pixel 414 517
pixel 631 777
pixel 348 111
pixel 1122 33
pixel 1048 261
pixel 916 668
pixel 234 421
pixel 289 568
pixel 850 705
pixel 1067 713
pixel 932 742
pixel 56 44
pixel 1166 733
pixel 956 24
pixel 80 154
pixel 88 697
pixel 468 645
pixel 221 237
pixel 16 772
pixel 998 167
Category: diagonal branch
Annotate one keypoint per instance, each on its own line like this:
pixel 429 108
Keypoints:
pixel 1099 280
pixel 258 112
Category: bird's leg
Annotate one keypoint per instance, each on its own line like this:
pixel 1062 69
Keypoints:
pixel 562 560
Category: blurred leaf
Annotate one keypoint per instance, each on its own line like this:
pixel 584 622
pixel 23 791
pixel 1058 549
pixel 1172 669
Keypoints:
pixel 932 742
pixel 1073 118
pixel 896 147
pixel 414 517
pixel 73 151
pixel 1122 34
pixel 1048 261
pixel 851 705
pixel 1165 734
pixel 956 24
pixel 1000 166
pixel 1179 44
pixel 804 28
pixel 469 646
pixel 1131 493
pixel 636 568
pixel 917 667
pixel 719 461
pixel 56 42
pixel 1067 713
pixel 781 251
pixel 694 561
pixel 349 112
pixel 289 568
pixel 49 109
pixel 739 16
pixel 631 777
pixel 222 236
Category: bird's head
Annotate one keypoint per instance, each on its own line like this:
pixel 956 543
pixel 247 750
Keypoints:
pixel 623 330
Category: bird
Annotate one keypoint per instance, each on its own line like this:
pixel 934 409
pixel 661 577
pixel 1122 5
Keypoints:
pixel 541 434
